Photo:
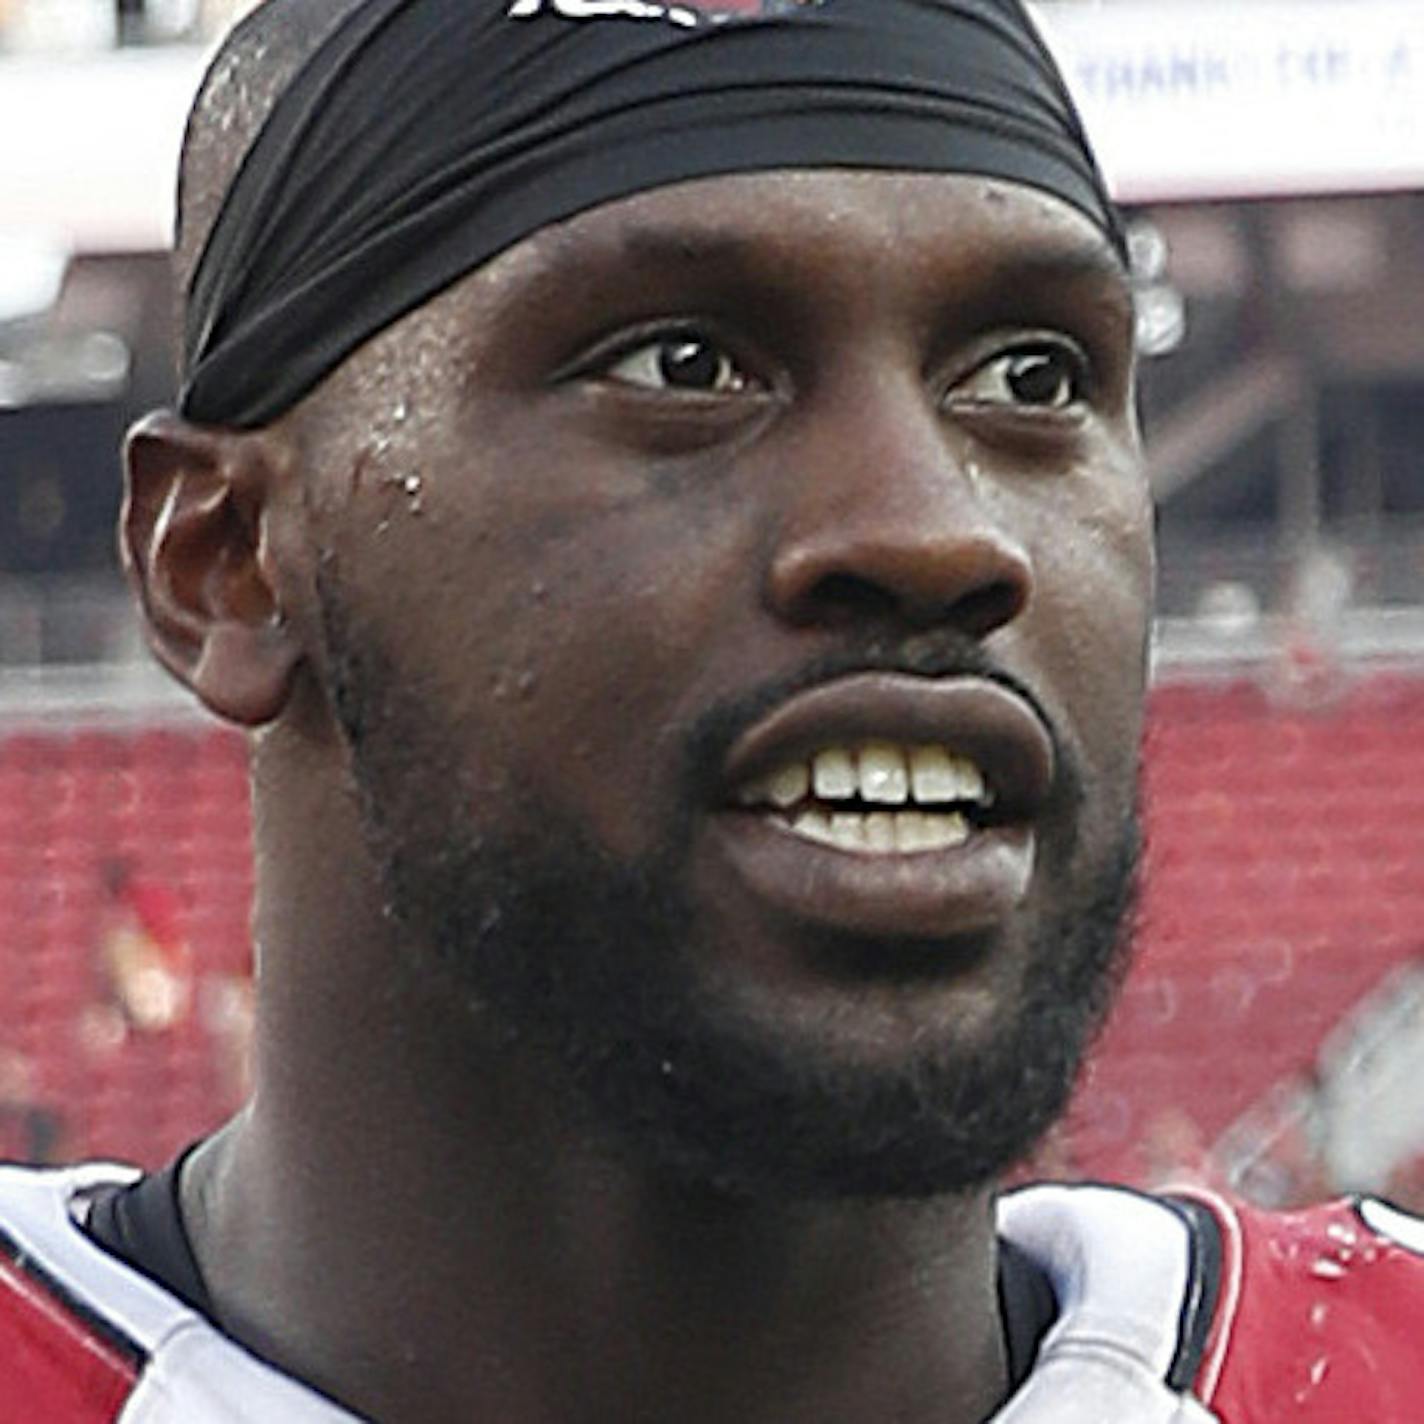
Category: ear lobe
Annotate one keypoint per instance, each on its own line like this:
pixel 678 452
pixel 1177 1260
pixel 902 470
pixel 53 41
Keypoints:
pixel 191 541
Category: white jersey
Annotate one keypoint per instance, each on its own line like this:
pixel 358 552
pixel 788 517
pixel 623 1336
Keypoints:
pixel 85 1339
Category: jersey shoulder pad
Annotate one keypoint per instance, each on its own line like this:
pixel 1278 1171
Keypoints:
pixel 1135 1280
pixel 1320 1315
pixel 85 1339
pixel 60 1359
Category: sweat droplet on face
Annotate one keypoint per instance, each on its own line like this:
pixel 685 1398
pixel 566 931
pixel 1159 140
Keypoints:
pixel 412 487
pixel 521 684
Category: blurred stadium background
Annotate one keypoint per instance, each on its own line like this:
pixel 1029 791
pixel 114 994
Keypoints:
pixel 1271 1036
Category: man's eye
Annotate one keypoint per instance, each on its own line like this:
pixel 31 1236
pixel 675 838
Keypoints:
pixel 682 361
pixel 1042 377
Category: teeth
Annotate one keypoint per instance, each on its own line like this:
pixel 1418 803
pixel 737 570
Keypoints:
pixel 972 786
pixel 932 769
pixel 876 773
pixel 835 778
pixel 814 826
pixel 917 831
pixel 884 833
pixel 911 831
pixel 939 777
pixel 884 777
pixel 782 789
pixel 789 785
pixel 950 831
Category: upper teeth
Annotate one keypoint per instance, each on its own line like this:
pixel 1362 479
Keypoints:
pixel 879 773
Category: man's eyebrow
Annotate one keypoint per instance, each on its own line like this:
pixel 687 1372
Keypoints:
pixel 693 247
pixel 1081 274
pixel 1030 275
pixel 1082 261
pixel 1036 262
pixel 646 251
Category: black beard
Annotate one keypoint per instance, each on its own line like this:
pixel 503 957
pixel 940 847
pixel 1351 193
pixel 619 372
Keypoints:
pixel 590 964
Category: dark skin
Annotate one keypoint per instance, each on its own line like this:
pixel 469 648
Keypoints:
pixel 501 478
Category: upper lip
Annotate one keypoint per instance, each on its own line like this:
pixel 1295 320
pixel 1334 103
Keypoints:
pixel 972 716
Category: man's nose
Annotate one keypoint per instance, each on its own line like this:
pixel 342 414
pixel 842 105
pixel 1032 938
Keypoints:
pixel 889 522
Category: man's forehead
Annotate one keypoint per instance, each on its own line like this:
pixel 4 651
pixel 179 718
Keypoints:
pixel 747 219
pixel 500 118
pixel 825 251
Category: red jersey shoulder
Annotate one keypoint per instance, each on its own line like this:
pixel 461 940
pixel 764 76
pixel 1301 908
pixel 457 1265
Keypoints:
pixel 59 1364
pixel 1320 1316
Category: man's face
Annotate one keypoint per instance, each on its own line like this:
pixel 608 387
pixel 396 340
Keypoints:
pixel 735 602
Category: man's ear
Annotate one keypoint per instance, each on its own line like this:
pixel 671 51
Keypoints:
pixel 192 540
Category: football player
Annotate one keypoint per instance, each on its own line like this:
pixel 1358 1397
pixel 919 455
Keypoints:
pixel 661 485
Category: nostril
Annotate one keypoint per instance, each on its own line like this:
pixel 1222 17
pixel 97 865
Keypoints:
pixel 851 597
pixel 968 576
pixel 982 610
pixel 842 597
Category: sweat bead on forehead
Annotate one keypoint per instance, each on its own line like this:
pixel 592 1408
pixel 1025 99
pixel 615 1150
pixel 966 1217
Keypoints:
pixel 424 137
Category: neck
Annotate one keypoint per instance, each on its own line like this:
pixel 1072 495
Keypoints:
pixel 426 1235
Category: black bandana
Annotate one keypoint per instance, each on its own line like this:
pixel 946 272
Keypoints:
pixel 426 136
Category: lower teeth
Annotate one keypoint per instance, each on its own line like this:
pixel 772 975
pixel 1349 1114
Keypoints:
pixel 884 833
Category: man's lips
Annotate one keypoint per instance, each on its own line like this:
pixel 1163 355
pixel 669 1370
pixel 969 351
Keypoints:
pixel 973 717
pixel 864 848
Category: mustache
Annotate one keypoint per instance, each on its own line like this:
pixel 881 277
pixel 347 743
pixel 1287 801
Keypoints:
pixel 942 654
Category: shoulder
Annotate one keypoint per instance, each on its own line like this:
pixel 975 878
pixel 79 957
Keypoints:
pixel 1134 1277
pixel 85 1339
pixel 1321 1314
pixel 62 1358
pixel 1236 1314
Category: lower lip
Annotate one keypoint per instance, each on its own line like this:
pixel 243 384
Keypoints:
pixel 928 894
